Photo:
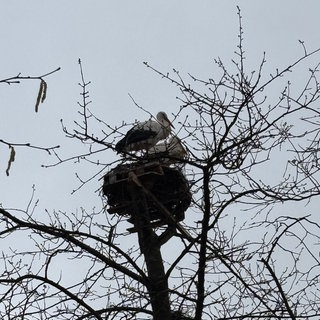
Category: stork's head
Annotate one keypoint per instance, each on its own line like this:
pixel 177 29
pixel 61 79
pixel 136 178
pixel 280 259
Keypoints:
pixel 163 119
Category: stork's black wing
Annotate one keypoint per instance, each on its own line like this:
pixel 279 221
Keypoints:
pixel 134 135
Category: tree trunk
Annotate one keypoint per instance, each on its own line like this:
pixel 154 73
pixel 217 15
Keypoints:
pixel 150 247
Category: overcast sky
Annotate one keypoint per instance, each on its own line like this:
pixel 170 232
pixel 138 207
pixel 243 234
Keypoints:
pixel 113 38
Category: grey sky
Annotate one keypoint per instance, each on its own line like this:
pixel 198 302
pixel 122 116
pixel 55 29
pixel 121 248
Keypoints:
pixel 113 39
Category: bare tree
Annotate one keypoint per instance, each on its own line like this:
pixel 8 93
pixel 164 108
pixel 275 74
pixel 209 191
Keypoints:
pixel 235 256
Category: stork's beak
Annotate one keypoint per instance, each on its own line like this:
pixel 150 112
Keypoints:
pixel 170 123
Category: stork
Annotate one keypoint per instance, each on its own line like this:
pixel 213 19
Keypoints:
pixel 145 135
pixel 170 150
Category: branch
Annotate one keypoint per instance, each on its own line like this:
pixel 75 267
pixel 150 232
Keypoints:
pixel 284 298
pixel 67 235
pixel 56 285
pixel 17 78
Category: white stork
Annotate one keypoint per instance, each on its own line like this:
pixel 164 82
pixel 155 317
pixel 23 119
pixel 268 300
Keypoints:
pixel 145 135
pixel 170 150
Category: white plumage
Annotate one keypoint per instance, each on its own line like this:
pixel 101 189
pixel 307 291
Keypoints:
pixel 171 150
pixel 145 135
